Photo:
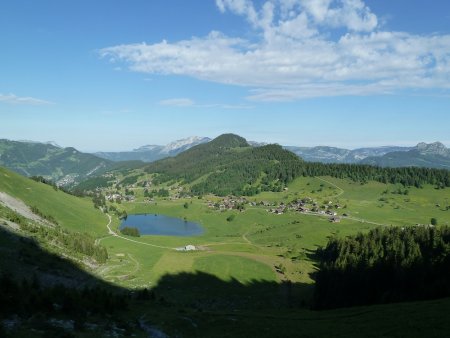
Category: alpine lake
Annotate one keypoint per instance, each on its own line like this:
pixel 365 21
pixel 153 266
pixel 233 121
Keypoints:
pixel 155 224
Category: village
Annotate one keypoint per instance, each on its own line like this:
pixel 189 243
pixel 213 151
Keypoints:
pixel 305 205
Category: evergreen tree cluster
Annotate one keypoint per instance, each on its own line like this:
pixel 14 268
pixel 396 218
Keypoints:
pixel 93 183
pixel 129 180
pixel 99 200
pixel 238 171
pixel 130 231
pixel 28 298
pixel 228 165
pixel 407 176
pixel 73 241
pixel 49 218
pixel 385 265
pixel 159 193
pixel 41 179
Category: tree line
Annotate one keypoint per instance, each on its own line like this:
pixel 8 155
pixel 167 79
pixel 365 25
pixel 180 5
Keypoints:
pixel 407 176
pixel 391 264
pixel 248 171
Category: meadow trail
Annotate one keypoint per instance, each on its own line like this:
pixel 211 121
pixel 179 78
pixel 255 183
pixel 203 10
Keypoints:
pixel 341 191
pixel 115 234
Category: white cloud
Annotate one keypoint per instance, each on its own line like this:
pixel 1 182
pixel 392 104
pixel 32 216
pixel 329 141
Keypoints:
pixel 14 99
pixel 183 102
pixel 295 57
pixel 186 102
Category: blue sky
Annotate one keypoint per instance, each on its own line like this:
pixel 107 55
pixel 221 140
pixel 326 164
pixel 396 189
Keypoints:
pixel 115 75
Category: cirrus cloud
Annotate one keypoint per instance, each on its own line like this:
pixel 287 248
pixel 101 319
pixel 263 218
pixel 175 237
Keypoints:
pixel 186 102
pixel 14 99
pixel 294 56
pixel 177 102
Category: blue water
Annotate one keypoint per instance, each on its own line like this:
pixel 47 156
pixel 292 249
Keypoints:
pixel 152 224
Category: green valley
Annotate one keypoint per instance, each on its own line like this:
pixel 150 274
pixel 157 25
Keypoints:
pixel 264 214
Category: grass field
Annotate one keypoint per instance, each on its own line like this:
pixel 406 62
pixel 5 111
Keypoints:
pixel 258 245
pixel 70 212
pixel 255 245
pixel 252 265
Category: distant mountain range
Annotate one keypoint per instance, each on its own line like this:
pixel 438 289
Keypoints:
pixel 432 155
pixel 151 153
pixel 326 154
pixel 68 166
pixel 62 165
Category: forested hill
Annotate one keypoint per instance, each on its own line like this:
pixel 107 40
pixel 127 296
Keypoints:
pixel 229 165
pixel 61 165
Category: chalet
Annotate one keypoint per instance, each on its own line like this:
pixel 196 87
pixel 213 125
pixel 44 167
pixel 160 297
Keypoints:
pixel 114 197
pixel 279 211
pixel 335 220
pixel 188 247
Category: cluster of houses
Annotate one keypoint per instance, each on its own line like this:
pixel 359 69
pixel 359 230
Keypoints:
pixel 177 193
pixel 308 205
pixel 115 197
pixel 305 205
pixel 228 203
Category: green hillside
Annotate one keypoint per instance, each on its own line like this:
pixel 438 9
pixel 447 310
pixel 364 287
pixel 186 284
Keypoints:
pixel 255 270
pixel 69 211
pixel 229 165
pixel 62 165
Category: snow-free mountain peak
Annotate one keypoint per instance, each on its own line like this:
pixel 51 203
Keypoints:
pixel 184 144
pixel 152 152
pixel 435 148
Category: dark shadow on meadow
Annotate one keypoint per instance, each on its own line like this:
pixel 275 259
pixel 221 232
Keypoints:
pixel 37 286
pixel 29 273
pixel 203 291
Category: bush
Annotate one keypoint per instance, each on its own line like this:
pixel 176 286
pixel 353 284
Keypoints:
pixel 130 231
pixel 230 218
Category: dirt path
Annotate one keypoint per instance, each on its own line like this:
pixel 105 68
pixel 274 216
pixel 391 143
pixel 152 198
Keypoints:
pixel 341 191
pixel 115 234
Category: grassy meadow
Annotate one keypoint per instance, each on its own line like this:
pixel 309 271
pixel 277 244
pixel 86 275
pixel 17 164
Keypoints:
pixel 256 244
pixel 247 267
pixel 71 212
